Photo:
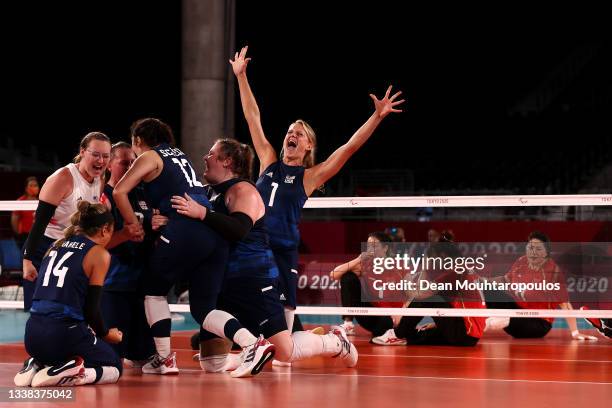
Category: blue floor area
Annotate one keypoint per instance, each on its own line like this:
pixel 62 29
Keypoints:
pixel 12 323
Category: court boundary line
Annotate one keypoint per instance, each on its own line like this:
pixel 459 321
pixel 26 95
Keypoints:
pixel 404 377
pixel 518 380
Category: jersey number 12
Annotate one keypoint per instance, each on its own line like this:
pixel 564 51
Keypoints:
pixel 191 179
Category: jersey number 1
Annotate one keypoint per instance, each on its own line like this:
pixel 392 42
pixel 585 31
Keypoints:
pixel 58 271
pixel 191 179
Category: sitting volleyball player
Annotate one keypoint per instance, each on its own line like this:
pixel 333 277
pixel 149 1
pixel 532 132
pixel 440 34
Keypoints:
pixel 536 266
pixel 249 293
pixel 452 331
pixel 64 351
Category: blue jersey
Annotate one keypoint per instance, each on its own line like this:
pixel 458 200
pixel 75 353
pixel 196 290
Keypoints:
pixel 62 285
pixel 128 258
pixel 282 190
pixel 251 256
pixel 177 178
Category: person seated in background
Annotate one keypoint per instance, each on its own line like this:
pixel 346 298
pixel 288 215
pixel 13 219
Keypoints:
pixel 452 331
pixel 349 274
pixel 533 267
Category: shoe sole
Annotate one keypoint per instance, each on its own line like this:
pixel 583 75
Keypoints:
pixel 390 344
pixel 356 354
pixel 24 379
pixel 25 376
pixel 159 372
pixel 79 370
pixel 267 356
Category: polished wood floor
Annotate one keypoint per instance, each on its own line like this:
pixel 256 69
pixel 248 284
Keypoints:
pixel 499 372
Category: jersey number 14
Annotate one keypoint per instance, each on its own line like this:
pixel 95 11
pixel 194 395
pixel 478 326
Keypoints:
pixel 58 270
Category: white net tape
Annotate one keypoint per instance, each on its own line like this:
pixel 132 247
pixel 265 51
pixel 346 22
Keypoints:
pixel 415 202
pixel 421 201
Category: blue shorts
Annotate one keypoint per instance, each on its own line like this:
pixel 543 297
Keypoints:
pixel 188 251
pixel 255 303
pixel 287 262
pixel 53 341
pixel 125 311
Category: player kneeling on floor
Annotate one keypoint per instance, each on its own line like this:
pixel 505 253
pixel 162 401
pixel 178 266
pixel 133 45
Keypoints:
pixel 66 308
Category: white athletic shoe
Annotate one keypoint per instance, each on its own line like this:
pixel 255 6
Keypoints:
pixel 348 353
pixel 62 375
pixel 389 339
pixel 160 365
pixel 24 377
pixel 254 357
pixel 349 328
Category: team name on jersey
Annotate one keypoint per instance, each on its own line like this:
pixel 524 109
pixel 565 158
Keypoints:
pixel 73 245
pixel 289 179
pixel 173 151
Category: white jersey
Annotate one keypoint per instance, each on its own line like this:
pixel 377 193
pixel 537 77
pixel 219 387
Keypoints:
pixel 81 190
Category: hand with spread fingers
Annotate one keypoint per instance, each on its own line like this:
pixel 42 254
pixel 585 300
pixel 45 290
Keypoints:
pixel 387 104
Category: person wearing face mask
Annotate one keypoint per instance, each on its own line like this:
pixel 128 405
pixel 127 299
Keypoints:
pixel 533 267
pixel 287 180
pixel 21 221
pixel 58 199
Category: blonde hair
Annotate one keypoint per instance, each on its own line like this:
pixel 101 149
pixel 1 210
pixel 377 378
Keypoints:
pixel 88 219
pixel 310 156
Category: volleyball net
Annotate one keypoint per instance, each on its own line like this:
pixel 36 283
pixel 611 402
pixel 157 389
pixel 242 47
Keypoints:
pixel 490 256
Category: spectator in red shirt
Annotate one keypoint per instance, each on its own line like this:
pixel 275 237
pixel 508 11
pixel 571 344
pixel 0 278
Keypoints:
pixel 22 221
pixel 533 267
